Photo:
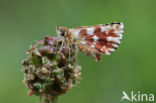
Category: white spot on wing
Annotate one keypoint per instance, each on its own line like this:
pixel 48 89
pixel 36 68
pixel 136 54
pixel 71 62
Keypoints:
pixel 77 33
pixel 83 38
pixel 114 26
pixel 111 49
pixel 103 29
pixel 115 45
pixel 120 36
pixel 90 31
pixel 83 42
pixel 107 53
pixel 104 47
pixel 95 38
pixel 115 39
pixel 93 46
pixel 101 49
pixel 106 32
pixel 108 26
pixel 119 33
pixel 121 26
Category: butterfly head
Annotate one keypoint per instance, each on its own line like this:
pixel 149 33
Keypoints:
pixel 61 31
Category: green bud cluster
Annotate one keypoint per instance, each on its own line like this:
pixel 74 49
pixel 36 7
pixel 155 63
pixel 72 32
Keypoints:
pixel 50 68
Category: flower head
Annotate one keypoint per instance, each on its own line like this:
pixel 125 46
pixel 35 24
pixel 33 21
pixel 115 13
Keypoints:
pixel 50 68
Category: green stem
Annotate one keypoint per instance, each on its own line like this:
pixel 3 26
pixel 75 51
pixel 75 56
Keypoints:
pixel 54 100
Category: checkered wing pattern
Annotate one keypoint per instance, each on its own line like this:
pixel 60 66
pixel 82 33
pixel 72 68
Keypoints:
pixel 100 39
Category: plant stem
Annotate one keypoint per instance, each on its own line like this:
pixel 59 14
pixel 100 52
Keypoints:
pixel 54 100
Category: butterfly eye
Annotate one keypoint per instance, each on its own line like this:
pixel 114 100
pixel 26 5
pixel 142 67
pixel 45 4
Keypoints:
pixel 62 34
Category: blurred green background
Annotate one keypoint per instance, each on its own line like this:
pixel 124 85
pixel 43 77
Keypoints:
pixel 131 67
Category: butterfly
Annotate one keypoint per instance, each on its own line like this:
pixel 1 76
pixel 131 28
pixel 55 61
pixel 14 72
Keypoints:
pixel 93 40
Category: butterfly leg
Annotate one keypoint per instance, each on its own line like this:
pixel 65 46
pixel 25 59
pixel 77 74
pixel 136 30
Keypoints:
pixel 69 52
pixel 63 42
pixel 61 47
pixel 76 54
pixel 69 48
